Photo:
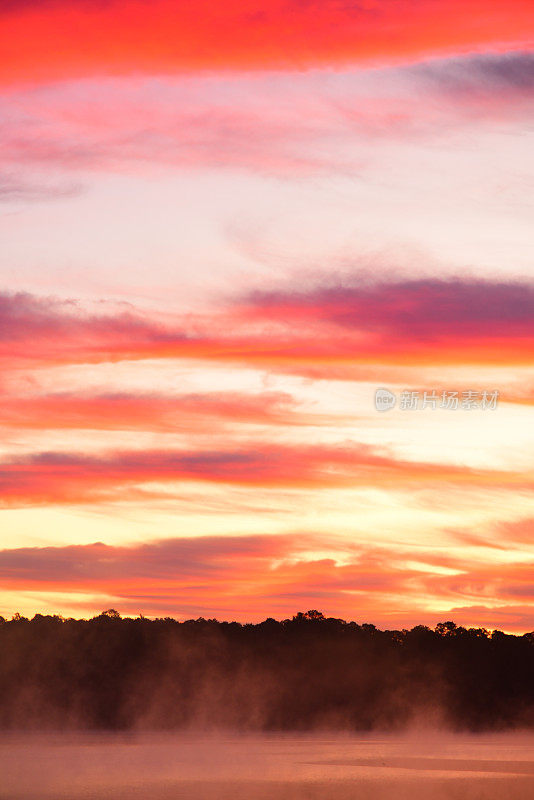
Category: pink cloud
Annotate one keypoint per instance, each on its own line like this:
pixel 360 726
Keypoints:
pixel 302 125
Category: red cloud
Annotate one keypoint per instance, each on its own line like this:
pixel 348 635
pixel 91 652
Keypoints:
pixel 60 39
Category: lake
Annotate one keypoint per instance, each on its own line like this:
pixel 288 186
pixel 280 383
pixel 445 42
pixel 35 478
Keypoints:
pixel 417 766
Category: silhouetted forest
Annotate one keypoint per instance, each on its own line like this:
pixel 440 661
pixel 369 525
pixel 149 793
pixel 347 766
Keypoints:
pixel 304 673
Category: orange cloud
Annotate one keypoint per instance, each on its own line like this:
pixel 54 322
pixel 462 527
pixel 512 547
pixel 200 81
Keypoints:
pixel 150 411
pixel 57 39
pixel 251 576
pixel 519 395
pixel 487 583
pixel 239 576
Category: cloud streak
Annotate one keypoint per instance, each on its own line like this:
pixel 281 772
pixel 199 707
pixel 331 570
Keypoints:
pixel 57 478
pixel 200 412
pixel 303 125
pixel 410 322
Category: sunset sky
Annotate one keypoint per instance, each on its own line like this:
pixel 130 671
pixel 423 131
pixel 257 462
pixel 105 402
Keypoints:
pixel 225 225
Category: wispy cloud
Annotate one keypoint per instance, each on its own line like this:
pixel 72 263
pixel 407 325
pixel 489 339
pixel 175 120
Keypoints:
pixel 15 188
pixel 288 126
pixel 58 477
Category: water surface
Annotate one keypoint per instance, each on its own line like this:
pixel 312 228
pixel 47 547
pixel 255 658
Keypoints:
pixel 419 766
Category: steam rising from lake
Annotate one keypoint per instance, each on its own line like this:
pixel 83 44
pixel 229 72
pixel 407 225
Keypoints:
pixel 421 766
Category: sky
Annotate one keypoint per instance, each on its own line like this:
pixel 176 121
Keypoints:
pixel 225 227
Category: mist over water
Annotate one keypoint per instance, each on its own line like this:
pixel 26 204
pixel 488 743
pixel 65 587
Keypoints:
pixel 421 765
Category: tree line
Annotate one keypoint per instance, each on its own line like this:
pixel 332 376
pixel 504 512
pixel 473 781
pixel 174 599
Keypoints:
pixel 300 674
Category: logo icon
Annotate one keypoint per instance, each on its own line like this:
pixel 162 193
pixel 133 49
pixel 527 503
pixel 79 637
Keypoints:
pixel 384 400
